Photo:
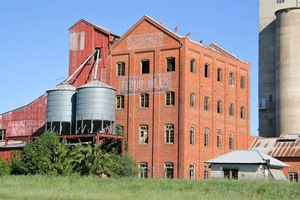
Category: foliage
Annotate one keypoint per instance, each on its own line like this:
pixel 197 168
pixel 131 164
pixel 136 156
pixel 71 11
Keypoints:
pixel 35 154
pixel 4 167
pixel 125 166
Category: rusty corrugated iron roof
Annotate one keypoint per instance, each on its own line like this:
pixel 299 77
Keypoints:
pixel 284 146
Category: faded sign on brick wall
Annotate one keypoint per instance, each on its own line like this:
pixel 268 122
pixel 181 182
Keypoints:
pixel 145 84
pixel 145 41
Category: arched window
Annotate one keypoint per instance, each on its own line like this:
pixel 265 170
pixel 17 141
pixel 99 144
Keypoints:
pixel 206 137
pixel 219 75
pixel 193 65
pixel 231 141
pixel 242 112
pixel 231 109
pixel 219 139
pixel 192 100
pixel 192 171
pixel 231 80
pixel 192 135
pixel 143 170
pixel 206 103
pixel 242 82
pixel 219 106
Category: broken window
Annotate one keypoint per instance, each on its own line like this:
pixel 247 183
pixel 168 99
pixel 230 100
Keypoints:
pixel 192 99
pixel 121 69
pixel 219 75
pixel 193 65
pixel 169 170
pixel 206 103
pixel 206 171
pixel 120 102
pixel 293 177
pixel 145 100
pixel 143 170
pixel 206 70
pixel 2 134
pixel 170 64
pixel 231 141
pixel 145 66
pixel 243 112
pixel 143 134
pixel 231 78
pixel 206 137
pixel 170 96
pixel 242 82
pixel 219 139
pixel 231 109
pixel 192 171
pixel 192 135
pixel 219 106
pixel 169 133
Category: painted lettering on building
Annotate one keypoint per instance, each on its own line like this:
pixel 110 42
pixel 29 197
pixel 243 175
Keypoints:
pixel 157 83
pixel 145 41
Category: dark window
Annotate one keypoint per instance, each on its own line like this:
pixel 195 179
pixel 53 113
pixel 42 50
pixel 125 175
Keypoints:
pixel 169 133
pixel 145 100
pixel 231 141
pixel 231 173
pixel 206 70
pixel 192 135
pixel 242 82
pixel 120 101
pixel 206 171
pixel 231 109
pixel 170 98
pixel 121 69
pixel 143 170
pixel 143 134
pixel 231 78
pixel 192 99
pixel 2 134
pixel 192 171
pixel 169 171
pixel 219 139
pixel 243 112
pixel 193 65
pixel 219 74
pixel 145 66
pixel 293 177
pixel 206 103
pixel 170 64
pixel 206 137
pixel 270 98
pixel 219 106
pixel 280 1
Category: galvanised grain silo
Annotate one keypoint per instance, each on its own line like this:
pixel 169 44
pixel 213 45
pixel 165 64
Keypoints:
pixel 61 102
pixel 95 107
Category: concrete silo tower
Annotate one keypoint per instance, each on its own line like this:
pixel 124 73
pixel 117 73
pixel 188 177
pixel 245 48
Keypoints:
pixel 279 67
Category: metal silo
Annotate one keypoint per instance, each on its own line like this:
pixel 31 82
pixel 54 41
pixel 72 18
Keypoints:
pixel 60 115
pixel 287 71
pixel 95 107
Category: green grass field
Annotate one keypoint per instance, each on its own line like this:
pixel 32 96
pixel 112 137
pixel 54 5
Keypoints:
pixel 57 187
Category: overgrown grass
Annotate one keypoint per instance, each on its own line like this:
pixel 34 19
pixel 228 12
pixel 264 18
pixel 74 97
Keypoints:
pixel 77 187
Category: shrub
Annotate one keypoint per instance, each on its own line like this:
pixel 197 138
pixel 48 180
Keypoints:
pixel 4 167
pixel 125 166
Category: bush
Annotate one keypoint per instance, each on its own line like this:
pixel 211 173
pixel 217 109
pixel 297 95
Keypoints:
pixel 5 167
pixel 125 166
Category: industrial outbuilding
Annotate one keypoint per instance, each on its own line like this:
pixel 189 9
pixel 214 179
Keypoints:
pixel 180 102
pixel 247 164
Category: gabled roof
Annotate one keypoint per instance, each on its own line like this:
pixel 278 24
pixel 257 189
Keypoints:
pixel 247 157
pixel 284 146
pixel 100 28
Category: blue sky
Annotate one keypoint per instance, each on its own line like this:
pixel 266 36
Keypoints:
pixel 34 37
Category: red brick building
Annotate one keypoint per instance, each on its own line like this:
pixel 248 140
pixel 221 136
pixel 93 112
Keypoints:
pixel 180 102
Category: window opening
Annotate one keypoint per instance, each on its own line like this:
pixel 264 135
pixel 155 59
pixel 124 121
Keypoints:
pixel 192 171
pixel 231 109
pixel 121 69
pixel 206 137
pixel 192 100
pixel 206 103
pixel 242 112
pixel 219 74
pixel 170 64
pixel 170 96
pixel 219 107
pixel 2 134
pixel 219 139
pixel 169 169
pixel 231 141
pixel 144 100
pixel 231 78
pixel 192 135
pixel 242 82
pixel 144 134
pixel 193 65
pixel 169 131
pixel 293 177
pixel 206 70
pixel 143 170
pixel 120 101
pixel 206 171
pixel 145 66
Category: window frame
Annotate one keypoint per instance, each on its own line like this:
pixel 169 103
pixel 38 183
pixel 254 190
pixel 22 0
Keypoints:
pixel 231 141
pixel 231 109
pixel 167 166
pixel 143 170
pixel 293 177
pixel 120 101
pixel 169 133
pixel 121 71
pixel 192 100
pixel 144 134
pixel 2 134
pixel 192 171
pixel 193 66
pixel 219 75
pixel 206 103
pixel 206 171
pixel 192 134
pixel 170 61
pixel 242 112
pixel 170 98
pixel 219 139
pixel 242 82
pixel 206 70
pixel 231 78
pixel 144 100
pixel 144 61
pixel 206 137
pixel 219 106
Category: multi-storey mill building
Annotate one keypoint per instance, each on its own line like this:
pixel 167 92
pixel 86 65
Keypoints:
pixel 279 61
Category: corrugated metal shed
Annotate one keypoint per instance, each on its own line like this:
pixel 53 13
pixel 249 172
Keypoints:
pixel 284 146
pixel 247 157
